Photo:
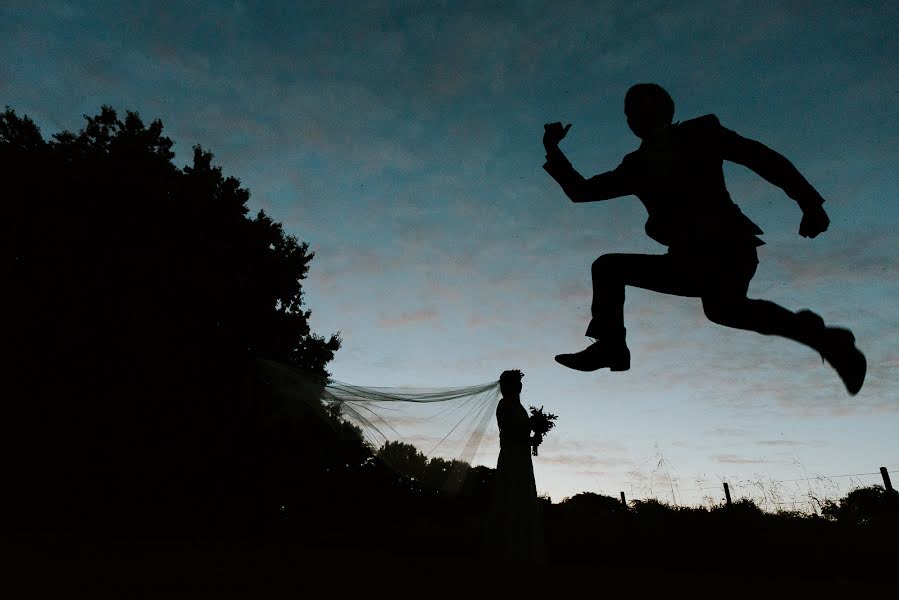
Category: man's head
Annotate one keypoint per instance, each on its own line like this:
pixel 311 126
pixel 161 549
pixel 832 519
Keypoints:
pixel 649 109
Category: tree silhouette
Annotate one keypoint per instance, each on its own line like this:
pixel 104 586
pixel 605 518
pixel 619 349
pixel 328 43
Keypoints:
pixel 137 295
pixel 404 458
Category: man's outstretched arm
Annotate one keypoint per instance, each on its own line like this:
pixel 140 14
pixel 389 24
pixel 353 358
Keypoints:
pixel 776 169
pixel 611 184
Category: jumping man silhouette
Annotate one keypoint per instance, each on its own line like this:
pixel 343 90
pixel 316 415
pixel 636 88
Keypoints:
pixel 677 174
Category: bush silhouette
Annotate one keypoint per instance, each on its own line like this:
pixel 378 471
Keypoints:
pixel 865 506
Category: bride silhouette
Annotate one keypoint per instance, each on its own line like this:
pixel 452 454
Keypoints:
pixel 514 532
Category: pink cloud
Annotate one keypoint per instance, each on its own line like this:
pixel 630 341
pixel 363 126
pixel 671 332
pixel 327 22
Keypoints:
pixel 733 459
pixel 409 318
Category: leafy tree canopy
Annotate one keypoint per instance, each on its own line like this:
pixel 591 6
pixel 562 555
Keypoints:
pixel 109 240
pixel 137 295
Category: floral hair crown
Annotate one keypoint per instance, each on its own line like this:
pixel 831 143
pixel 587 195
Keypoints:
pixel 511 375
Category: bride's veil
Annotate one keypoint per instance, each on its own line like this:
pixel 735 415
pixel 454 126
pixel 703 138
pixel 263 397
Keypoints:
pixel 446 425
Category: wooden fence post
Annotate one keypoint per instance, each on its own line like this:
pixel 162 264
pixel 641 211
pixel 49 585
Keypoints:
pixel 886 480
pixel 623 501
pixel 727 493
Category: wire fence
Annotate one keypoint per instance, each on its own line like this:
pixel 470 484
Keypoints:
pixel 802 494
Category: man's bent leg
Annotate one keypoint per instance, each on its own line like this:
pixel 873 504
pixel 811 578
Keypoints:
pixel 611 273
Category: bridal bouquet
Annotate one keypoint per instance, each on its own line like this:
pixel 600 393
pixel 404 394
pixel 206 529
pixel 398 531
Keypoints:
pixel 541 423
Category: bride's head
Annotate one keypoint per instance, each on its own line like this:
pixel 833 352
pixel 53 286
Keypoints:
pixel 510 383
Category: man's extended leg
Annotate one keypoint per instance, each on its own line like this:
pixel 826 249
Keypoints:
pixel 836 345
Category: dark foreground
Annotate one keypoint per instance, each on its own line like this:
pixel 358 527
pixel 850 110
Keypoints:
pixel 433 548
pixel 60 566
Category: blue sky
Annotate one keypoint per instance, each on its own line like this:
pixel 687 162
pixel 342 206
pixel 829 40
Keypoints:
pixel 402 141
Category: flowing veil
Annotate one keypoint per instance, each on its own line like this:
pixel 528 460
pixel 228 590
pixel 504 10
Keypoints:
pixel 445 424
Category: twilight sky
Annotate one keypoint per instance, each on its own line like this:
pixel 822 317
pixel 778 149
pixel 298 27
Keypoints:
pixel 402 140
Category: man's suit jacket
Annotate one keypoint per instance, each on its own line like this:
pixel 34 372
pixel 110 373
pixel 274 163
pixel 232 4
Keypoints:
pixel 688 204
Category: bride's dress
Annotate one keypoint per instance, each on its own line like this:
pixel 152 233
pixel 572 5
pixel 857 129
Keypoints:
pixel 514 532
